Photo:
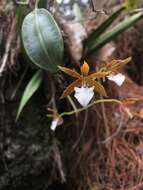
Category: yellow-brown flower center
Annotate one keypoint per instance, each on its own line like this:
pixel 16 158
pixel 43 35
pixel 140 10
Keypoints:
pixel 84 69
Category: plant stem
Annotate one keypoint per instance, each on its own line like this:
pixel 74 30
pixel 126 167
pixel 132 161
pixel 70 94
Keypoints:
pixel 36 4
pixel 93 103
pixel 73 105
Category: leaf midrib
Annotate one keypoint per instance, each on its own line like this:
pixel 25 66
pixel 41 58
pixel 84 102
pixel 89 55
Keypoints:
pixel 41 38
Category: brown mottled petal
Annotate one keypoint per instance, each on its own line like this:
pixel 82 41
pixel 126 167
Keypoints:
pixel 99 74
pixel 70 88
pixel 84 69
pixel 98 87
pixel 70 72
pixel 115 65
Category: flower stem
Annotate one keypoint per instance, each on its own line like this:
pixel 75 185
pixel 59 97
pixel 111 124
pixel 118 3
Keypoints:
pixel 93 103
pixel 36 4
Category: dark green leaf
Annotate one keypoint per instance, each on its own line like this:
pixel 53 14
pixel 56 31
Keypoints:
pixel 30 89
pixel 42 40
pixel 110 35
pixel 97 32
pixel 42 4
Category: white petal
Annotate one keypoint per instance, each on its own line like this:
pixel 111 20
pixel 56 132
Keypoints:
pixel 118 78
pixel 84 95
pixel 66 1
pixel 54 124
pixel 85 1
pixel 59 1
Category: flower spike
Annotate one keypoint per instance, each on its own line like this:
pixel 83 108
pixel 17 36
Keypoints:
pixel 86 83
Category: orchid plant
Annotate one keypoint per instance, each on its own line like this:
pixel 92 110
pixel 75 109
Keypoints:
pixel 48 53
pixel 86 83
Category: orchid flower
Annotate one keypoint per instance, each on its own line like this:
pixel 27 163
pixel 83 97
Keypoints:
pixel 114 66
pixel 56 122
pixel 117 78
pixel 85 84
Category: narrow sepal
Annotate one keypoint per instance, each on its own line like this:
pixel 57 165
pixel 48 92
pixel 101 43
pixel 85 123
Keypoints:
pixel 116 65
pixel 71 87
pixel 70 72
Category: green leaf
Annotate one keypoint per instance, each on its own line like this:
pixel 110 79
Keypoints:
pixel 110 35
pixel 78 13
pixel 97 32
pixel 22 2
pixel 131 4
pixel 42 40
pixel 30 89
pixel 42 4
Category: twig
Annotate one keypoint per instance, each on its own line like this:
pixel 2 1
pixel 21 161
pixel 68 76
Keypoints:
pixel 53 93
pixel 8 46
pixel 58 160
pixel 2 90
pixel 82 131
pixel 105 118
pixel 52 101
pixel 73 104
pixel 137 187
pixel 109 138
pixel 19 83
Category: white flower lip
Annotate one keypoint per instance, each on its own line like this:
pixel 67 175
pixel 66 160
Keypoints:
pixel 84 95
pixel 54 124
pixel 117 78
